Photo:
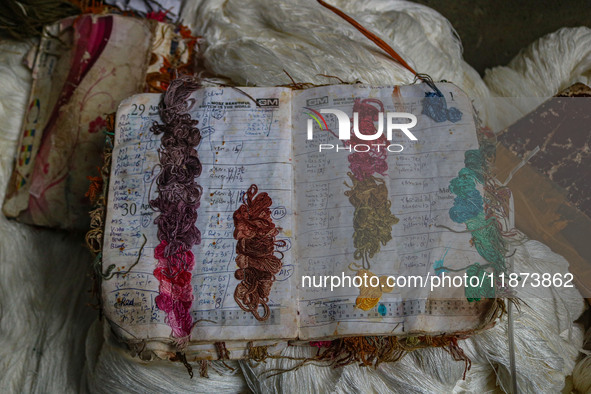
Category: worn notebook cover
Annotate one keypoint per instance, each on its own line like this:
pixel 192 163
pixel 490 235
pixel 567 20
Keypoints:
pixel 552 191
pixel 84 66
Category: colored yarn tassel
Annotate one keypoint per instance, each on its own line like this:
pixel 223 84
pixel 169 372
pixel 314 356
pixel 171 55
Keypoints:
pixel 481 215
pixel 372 220
pixel 255 252
pixel 178 200
pixel 365 164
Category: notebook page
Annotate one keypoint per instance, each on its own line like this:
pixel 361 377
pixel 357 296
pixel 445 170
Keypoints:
pixel 417 181
pixel 241 145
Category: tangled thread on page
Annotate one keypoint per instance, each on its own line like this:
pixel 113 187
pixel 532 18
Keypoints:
pixel 178 200
pixel 256 246
pixel 372 220
pixel 482 215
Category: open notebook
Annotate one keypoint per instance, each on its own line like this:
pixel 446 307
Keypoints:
pixel 336 208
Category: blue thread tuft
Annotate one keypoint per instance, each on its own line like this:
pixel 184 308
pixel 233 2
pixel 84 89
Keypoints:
pixel 454 115
pixel 466 208
pixel 461 185
pixel 435 107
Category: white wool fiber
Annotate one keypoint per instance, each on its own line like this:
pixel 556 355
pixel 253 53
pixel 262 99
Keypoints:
pixel 44 312
pixel 44 317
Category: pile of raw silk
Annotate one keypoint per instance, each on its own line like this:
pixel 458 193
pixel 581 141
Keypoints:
pixel 44 311
pixel 48 342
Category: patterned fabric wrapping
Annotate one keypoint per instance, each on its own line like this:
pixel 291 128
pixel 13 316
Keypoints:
pixel 82 69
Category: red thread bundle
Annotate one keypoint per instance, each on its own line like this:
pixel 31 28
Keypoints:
pixel 365 164
pixel 255 250
pixel 178 201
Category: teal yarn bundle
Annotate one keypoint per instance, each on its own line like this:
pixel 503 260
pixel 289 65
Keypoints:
pixel 472 209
